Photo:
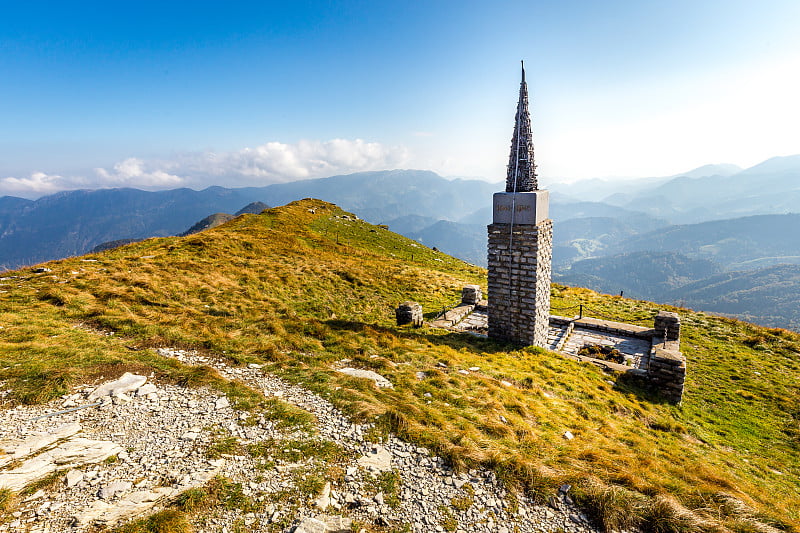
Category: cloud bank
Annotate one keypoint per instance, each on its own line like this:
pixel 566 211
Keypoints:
pixel 273 162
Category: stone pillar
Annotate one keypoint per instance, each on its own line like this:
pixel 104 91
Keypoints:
pixel 409 313
pixel 667 372
pixel 520 266
pixel 668 325
pixel 471 294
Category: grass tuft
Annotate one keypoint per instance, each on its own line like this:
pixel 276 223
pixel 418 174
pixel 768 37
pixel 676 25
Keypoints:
pixel 166 521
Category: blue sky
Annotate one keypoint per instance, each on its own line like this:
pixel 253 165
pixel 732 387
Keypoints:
pixel 167 94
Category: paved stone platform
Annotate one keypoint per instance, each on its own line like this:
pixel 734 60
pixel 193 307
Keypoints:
pixel 561 337
pixel 638 349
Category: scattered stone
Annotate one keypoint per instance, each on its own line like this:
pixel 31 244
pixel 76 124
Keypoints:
pixel 156 466
pixel 14 450
pixel 311 525
pixel 74 452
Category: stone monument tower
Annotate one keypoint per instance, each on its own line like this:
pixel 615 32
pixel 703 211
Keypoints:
pixel 520 244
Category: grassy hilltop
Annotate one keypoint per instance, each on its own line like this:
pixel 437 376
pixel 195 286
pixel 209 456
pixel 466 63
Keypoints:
pixel 300 287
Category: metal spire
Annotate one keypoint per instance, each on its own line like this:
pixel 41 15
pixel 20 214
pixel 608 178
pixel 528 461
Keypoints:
pixel 521 170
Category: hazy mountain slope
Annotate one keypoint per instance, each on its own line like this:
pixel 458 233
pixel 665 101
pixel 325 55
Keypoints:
pixel 579 238
pixel 467 242
pixel 74 222
pixel 767 296
pixel 70 223
pixel 211 221
pixel 756 190
pixel 385 195
pixel 737 243
pixel 410 224
pixel 253 208
pixel 646 275
pixel 301 288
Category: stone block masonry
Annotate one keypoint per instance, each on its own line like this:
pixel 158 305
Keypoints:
pixel 669 325
pixel 667 372
pixel 409 313
pixel 667 369
pixel 519 261
pixel 471 294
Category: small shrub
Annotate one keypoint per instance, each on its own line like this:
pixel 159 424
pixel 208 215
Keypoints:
pixel 193 499
pixel 663 514
pixel 611 506
pixel 223 446
pixel 7 501
pixel 166 521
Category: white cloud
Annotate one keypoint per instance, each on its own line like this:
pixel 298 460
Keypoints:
pixel 272 162
pixel 37 184
pixel 280 162
pixel 137 173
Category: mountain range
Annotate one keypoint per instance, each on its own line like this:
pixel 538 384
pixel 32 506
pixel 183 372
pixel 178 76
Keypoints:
pixel 658 238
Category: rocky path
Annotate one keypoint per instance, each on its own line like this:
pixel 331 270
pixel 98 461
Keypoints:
pixel 159 440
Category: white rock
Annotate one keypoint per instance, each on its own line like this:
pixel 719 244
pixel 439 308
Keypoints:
pixel 568 435
pixel 379 380
pixel 120 399
pixel 379 459
pixel 16 449
pixel 110 490
pixel 146 389
pixel 324 499
pixel 222 403
pixel 127 383
pixel 311 525
pixel 73 477
pixel 74 452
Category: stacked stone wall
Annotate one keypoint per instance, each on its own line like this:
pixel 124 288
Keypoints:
pixel 471 294
pixel 519 261
pixel 668 325
pixel 667 372
pixel 409 313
